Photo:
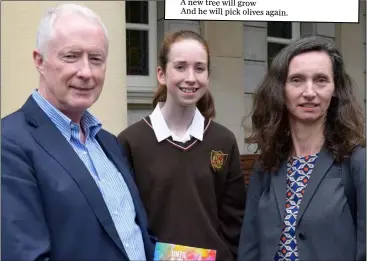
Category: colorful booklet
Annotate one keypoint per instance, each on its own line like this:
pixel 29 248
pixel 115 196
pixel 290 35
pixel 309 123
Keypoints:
pixel 168 252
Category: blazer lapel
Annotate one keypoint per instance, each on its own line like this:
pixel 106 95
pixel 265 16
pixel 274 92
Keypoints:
pixel 279 184
pixel 52 141
pixel 322 165
pixel 109 146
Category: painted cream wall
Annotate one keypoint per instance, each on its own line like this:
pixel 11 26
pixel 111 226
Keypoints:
pixel 225 41
pixel 19 22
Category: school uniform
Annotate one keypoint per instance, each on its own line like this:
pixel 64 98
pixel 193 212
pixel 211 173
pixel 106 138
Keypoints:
pixel 192 187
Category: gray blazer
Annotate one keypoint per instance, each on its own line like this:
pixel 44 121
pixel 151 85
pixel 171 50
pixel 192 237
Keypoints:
pixel 325 229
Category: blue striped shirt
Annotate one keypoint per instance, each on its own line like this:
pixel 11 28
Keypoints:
pixel 108 179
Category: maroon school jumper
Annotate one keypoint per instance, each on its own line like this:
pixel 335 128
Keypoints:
pixel 193 192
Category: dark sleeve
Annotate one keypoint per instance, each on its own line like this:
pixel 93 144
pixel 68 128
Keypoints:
pixel 358 168
pixel 123 141
pixel 248 249
pixel 25 235
pixel 233 202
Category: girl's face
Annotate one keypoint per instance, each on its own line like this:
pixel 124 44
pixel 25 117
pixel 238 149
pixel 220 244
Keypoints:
pixel 186 75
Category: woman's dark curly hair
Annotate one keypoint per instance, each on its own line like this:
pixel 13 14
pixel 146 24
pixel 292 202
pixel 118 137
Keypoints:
pixel 344 126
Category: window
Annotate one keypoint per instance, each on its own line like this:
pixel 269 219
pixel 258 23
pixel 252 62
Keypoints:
pixel 141 45
pixel 280 34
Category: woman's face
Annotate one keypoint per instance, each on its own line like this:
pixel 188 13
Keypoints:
pixel 309 87
pixel 186 75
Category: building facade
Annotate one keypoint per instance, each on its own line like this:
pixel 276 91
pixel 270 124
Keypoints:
pixel 240 55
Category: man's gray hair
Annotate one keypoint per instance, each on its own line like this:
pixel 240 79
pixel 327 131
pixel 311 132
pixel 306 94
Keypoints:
pixel 45 28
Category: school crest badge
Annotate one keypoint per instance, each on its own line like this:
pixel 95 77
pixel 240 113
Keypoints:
pixel 218 159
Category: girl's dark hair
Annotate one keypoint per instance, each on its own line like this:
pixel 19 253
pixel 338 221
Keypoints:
pixel 344 126
pixel 206 103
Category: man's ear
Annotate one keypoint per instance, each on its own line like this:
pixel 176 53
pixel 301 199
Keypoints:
pixel 161 77
pixel 38 61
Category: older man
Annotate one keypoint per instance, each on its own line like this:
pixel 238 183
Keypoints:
pixel 67 192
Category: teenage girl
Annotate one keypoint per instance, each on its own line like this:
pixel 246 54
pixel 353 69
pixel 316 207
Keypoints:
pixel 187 167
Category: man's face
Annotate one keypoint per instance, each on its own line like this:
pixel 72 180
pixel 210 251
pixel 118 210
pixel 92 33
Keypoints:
pixel 73 69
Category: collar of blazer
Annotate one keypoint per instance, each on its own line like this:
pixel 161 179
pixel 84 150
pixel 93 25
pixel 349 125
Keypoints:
pixel 54 143
pixel 279 182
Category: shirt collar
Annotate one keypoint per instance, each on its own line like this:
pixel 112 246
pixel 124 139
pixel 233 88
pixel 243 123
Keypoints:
pixel 90 124
pixel 162 132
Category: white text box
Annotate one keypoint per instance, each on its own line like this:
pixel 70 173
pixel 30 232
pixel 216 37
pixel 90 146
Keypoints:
pixel 333 11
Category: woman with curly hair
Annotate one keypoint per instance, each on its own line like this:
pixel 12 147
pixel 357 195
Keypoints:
pixel 306 197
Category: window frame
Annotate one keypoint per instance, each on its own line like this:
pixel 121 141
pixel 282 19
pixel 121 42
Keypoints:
pixel 296 33
pixel 136 83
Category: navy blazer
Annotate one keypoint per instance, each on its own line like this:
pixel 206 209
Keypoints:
pixel 325 230
pixel 51 207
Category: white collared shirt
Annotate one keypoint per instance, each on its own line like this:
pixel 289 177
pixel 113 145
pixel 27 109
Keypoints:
pixel 162 132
